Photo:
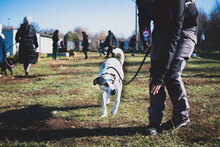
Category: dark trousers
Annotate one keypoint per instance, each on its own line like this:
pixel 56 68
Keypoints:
pixel 110 49
pixel 55 52
pixel 173 81
pixel 133 49
pixel 85 50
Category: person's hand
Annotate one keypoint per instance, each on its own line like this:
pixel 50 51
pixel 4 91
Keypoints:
pixel 155 89
pixel 147 44
pixel 152 48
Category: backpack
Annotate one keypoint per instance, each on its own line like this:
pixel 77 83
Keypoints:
pixel 191 17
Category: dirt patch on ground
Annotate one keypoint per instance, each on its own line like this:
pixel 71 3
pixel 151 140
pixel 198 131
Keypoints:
pixel 19 79
pixel 144 68
pixel 43 92
pixel 198 81
pixel 60 124
pixel 75 91
pixel 140 81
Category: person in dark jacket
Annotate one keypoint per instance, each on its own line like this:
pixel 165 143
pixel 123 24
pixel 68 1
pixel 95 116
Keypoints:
pixel 2 50
pixel 173 41
pixel 110 42
pixel 85 44
pixel 101 48
pixel 55 44
pixel 27 39
pixel 122 45
pixel 132 45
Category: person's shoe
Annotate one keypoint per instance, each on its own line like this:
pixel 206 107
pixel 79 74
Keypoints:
pixel 26 73
pixel 151 129
pixel 171 125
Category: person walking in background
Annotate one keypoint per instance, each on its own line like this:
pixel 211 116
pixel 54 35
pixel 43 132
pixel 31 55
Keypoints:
pixel 132 45
pixel 2 50
pixel 122 45
pixel 27 39
pixel 55 44
pixel 101 48
pixel 173 41
pixel 110 42
pixel 85 44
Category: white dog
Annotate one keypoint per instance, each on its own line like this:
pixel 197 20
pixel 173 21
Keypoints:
pixel 110 80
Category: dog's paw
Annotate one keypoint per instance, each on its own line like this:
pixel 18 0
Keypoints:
pixel 113 112
pixel 104 115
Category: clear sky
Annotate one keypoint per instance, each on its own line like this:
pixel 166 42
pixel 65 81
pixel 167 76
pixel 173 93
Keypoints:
pixel 65 15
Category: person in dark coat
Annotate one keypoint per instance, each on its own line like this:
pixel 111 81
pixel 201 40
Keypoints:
pixel 27 39
pixel 2 50
pixel 132 45
pixel 122 45
pixel 110 42
pixel 173 41
pixel 85 44
pixel 55 44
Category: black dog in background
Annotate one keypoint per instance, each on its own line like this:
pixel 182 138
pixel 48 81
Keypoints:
pixel 8 64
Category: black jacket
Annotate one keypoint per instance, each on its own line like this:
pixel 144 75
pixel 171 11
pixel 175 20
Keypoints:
pixel 55 40
pixel 110 40
pixel 132 42
pixel 168 17
pixel 27 38
pixel 85 42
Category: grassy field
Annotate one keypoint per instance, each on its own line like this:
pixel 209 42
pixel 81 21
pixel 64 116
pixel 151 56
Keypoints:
pixel 57 105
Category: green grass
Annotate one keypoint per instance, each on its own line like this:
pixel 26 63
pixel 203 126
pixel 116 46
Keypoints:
pixel 57 105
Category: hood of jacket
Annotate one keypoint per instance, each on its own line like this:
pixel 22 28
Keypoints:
pixel 26 28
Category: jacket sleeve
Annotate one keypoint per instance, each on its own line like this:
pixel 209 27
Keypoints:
pixel 114 40
pixel 35 41
pixel 3 49
pixel 18 36
pixel 178 18
pixel 106 42
pixel 145 12
pixel 159 69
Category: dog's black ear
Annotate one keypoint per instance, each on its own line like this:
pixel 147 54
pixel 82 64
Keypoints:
pixel 96 81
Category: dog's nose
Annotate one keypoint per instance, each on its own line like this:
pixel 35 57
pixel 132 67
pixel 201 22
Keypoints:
pixel 113 92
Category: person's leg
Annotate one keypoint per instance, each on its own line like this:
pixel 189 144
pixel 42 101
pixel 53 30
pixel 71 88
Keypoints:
pixel 155 111
pixel 113 55
pixel 177 91
pixel 157 106
pixel 85 52
pixel 54 53
pixel 108 52
pixel 157 102
pixel 25 68
pixel 174 82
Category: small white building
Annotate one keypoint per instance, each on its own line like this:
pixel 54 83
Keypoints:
pixel 44 42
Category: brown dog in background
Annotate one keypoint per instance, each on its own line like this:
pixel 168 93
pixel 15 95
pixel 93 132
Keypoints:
pixel 72 54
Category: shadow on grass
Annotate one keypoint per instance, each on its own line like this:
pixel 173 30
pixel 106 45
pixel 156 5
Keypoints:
pixel 32 116
pixel 29 77
pixel 22 125
pixel 202 76
pixel 47 135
